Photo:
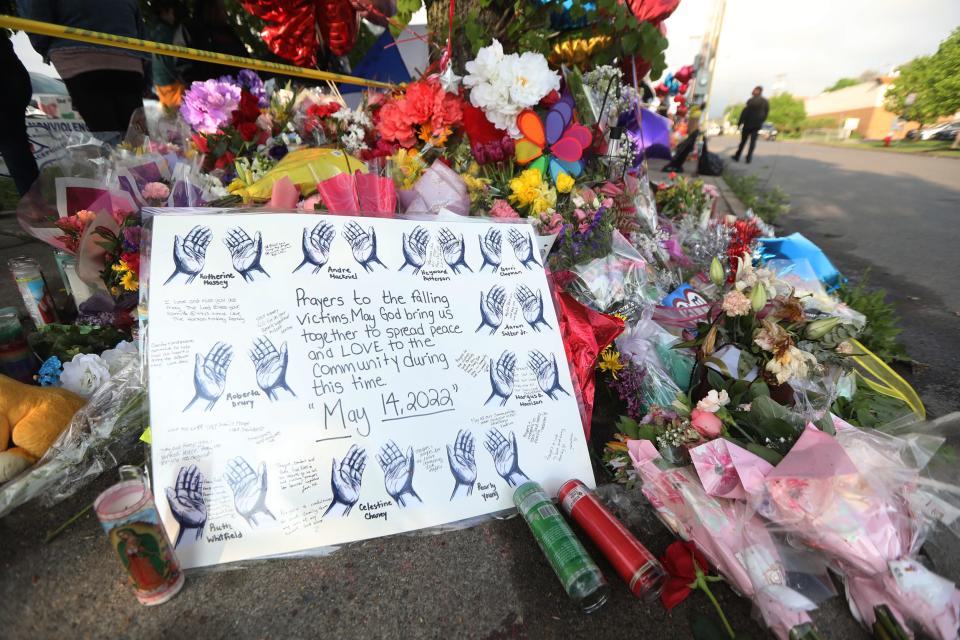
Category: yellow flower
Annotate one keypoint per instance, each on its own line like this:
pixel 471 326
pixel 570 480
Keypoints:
pixel 564 183
pixel 610 361
pixel 129 281
pixel 475 186
pixel 120 267
pixel 407 167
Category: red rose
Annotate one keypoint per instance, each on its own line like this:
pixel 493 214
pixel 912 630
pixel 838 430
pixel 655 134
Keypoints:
pixel 678 561
pixel 248 130
pixel 249 108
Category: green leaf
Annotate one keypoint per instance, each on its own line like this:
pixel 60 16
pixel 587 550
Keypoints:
pixel 825 424
pixel 715 379
pixel 759 389
pixel 628 426
pixel 769 455
pixel 764 407
pixel 746 364
pixel 703 627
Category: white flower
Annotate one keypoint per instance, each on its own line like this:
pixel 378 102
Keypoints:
pixel 121 355
pixel 749 277
pixel 84 374
pixel 794 363
pixel 283 97
pixel 503 85
pixel 745 407
pixel 714 401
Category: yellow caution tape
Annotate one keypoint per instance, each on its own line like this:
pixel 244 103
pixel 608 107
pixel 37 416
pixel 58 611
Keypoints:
pixel 882 379
pixel 160 48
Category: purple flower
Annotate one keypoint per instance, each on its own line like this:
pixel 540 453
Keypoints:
pixel 250 81
pixel 208 105
pixel 131 239
pixel 629 386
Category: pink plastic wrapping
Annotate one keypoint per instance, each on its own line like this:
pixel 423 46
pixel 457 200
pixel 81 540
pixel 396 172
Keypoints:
pixel 855 500
pixel 737 544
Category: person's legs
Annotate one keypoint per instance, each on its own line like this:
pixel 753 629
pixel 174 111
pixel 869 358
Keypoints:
pixel 107 98
pixel 753 145
pixel 127 97
pixel 743 140
pixel 14 143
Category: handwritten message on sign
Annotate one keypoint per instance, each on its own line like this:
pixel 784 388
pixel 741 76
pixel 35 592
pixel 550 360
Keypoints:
pixel 316 379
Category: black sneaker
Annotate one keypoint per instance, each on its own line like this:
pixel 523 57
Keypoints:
pixel 735 158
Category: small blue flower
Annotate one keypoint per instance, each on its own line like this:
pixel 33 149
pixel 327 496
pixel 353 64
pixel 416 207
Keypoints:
pixel 49 374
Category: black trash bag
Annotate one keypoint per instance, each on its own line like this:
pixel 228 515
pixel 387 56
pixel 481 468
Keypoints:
pixel 710 164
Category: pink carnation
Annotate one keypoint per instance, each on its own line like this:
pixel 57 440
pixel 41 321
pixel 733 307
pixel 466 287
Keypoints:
pixel 502 209
pixel 736 304
pixel 156 191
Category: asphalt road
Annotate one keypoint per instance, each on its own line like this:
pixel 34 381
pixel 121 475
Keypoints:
pixel 491 581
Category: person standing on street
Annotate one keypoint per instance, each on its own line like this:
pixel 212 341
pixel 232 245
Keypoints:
pixel 14 143
pixel 105 83
pixel 752 117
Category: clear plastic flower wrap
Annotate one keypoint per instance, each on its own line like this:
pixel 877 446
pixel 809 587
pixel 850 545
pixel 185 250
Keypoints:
pixel 618 283
pixel 860 500
pixel 784 584
pixel 648 345
pixel 103 433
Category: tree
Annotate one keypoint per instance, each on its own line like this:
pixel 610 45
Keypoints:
pixel 733 111
pixel 842 83
pixel 928 87
pixel 787 113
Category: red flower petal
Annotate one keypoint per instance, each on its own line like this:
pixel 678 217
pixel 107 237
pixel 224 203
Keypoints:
pixel 674 592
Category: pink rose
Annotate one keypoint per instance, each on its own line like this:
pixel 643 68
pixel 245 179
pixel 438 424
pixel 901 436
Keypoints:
pixel 707 424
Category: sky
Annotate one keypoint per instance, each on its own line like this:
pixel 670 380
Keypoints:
pixel 804 47
pixel 800 47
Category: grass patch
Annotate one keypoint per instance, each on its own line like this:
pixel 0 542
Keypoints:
pixel 767 204
pixel 880 334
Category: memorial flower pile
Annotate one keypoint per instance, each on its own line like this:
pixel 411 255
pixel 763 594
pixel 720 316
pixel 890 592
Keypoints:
pixel 727 377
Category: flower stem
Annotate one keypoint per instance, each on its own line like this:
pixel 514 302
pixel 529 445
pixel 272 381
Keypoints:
pixel 56 532
pixel 703 585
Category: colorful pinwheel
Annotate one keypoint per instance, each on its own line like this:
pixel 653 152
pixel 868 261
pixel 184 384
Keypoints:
pixel 555 145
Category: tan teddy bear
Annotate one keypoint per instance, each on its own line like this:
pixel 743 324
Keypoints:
pixel 31 418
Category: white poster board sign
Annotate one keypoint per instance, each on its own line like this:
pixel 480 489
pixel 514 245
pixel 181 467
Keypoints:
pixel 316 380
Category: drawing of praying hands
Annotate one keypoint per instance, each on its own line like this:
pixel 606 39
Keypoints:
pixel 523 248
pixel 316 245
pixel 491 308
pixel 491 244
pixel 245 252
pixel 186 502
pixel 505 459
pixel 463 465
pixel 415 249
pixel 271 366
pixel 210 375
pixel 454 250
pixel 532 306
pixel 397 472
pixel 501 377
pixel 345 479
pixel 190 252
pixel 249 490
pixel 548 375
pixel 363 244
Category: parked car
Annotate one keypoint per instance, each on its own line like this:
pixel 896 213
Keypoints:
pixel 947 133
pixel 927 133
pixel 768 132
